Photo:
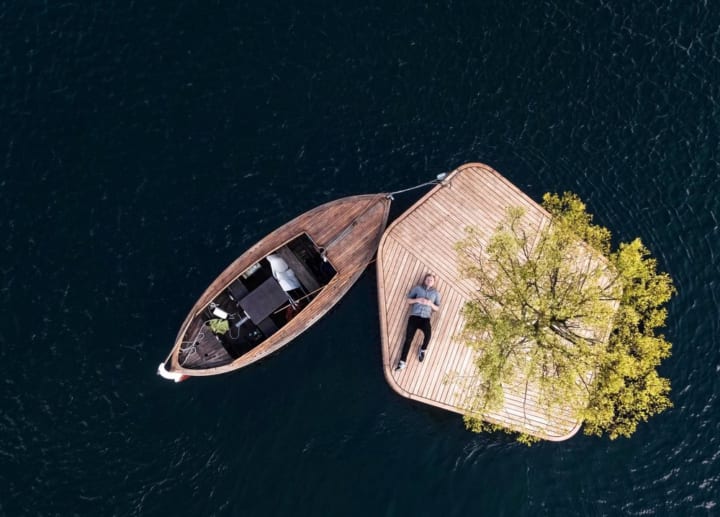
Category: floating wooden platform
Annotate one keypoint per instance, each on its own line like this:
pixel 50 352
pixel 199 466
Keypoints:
pixel 422 240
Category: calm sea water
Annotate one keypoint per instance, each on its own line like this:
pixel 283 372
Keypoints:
pixel 144 147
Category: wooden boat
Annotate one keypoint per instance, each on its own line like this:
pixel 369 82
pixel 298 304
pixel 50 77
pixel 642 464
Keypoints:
pixel 279 287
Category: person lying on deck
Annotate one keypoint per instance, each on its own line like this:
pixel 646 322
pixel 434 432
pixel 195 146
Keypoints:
pixel 424 299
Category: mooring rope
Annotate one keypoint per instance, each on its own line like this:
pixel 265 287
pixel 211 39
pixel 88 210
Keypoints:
pixel 192 349
pixel 437 181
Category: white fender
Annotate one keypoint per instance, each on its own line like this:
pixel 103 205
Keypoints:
pixel 173 376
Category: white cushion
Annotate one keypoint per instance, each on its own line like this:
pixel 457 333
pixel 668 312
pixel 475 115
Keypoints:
pixel 283 274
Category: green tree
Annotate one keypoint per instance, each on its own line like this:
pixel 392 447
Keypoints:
pixel 559 312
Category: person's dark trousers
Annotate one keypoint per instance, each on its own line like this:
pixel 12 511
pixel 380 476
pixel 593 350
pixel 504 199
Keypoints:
pixel 415 323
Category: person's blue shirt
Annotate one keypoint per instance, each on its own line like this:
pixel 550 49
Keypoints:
pixel 418 309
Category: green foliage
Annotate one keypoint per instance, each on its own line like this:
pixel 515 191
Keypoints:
pixel 477 425
pixel 535 300
pixel 569 211
pixel 628 389
pixel 546 300
pixel 219 326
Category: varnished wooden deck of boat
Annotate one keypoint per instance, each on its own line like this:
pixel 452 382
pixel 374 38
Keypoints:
pixel 422 240
pixel 348 229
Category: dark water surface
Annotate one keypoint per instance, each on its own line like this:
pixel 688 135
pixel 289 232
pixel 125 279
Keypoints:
pixel 146 145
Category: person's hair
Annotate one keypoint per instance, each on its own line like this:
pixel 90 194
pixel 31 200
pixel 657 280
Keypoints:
pixel 429 274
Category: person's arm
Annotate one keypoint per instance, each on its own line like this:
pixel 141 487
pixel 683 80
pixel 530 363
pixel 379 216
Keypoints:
pixel 425 301
pixel 412 297
pixel 430 303
pixel 434 305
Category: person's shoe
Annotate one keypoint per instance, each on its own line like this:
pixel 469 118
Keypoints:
pixel 400 366
pixel 421 355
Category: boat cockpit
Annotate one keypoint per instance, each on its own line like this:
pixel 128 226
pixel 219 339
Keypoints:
pixel 256 304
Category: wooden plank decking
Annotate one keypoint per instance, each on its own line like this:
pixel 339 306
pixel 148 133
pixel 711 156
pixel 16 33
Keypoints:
pixel 422 240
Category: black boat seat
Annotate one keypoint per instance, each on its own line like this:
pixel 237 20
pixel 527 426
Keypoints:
pixel 237 290
pixel 267 327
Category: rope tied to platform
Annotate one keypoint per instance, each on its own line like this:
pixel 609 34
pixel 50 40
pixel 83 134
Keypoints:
pixel 439 180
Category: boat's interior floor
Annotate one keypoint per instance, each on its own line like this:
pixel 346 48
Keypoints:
pixel 255 305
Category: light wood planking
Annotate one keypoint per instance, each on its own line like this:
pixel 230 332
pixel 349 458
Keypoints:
pixel 422 240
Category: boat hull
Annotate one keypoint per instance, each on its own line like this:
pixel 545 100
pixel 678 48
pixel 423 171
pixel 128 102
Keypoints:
pixel 348 232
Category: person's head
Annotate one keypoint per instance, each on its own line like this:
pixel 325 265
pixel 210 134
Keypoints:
pixel 429 280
